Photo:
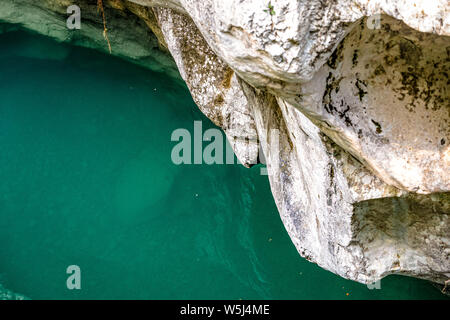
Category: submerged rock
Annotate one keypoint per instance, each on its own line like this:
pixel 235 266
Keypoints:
pixel 348 99
pixel 6 294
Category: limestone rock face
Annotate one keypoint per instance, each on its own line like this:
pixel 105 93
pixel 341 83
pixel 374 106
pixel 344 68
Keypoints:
pixel 348 100
pixel 213 84
pixel 360 107
pixel 337 213
pixel 383 96
pixel 284 48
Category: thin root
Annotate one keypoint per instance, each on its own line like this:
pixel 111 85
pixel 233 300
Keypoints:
pixel 446 284
pixel 105 29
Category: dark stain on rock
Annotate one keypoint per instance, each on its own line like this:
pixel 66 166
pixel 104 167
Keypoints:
pixel 326 99
pixel 340 108
pixel 355 58
pixel 332 173
pixel 343 114
pixel 410 52
pixel 226 81
pixel 360 134
pixel 362 25
pixel 336 56
pixel 409 81
pixel 219 100
pixel 390 60
pixel 410 85
pixel 377 125
pixel 379 70
pixel 360 85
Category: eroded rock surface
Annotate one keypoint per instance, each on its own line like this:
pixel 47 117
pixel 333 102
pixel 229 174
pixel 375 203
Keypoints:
pixel 383 96
pixel 213 84
pixel 338 213
pixel 348 99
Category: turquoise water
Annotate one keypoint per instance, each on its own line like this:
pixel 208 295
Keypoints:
pixel 86 179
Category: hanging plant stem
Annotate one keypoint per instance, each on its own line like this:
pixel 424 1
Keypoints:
pixel 105 29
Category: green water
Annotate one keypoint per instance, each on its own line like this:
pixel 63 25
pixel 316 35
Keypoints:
pixel 86 179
